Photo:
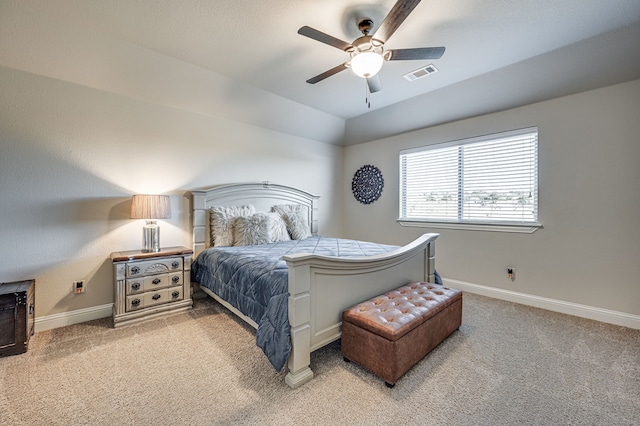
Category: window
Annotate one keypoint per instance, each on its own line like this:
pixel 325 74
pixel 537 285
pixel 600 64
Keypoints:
pixel 487 180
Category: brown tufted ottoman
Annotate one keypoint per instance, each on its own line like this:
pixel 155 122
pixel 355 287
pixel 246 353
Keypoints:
pixel 389 334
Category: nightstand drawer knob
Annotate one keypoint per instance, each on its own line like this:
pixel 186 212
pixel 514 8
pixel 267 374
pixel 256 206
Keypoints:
pixel 175 294
pixel 175 279
pixel 156 281
pixel 175 264
pixel 156 297
pixel 135 286
pixel 135 270
pixel 135 302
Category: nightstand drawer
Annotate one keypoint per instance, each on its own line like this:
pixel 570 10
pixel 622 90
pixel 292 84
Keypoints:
pixel 145 300
pixel 175 293
pixel 155 266
pixel 175 279
pixel 135 286
pixel 155 297
pixel 154 282
pixel 152 298
pixel 134 302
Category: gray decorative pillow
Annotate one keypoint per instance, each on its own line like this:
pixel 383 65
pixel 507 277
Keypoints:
pixel 295 216
pixel 222 220
pixel 252 230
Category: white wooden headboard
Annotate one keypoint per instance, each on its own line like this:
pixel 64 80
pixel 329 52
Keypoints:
pixel 262 195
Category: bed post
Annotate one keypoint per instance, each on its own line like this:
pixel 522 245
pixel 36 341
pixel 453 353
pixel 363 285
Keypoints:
pixel 430 262
pixel 299 319
pixel 198 218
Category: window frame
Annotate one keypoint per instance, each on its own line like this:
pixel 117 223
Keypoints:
pixel 470 224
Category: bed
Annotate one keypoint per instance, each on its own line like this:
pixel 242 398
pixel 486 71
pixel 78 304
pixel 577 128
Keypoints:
pixel 317 286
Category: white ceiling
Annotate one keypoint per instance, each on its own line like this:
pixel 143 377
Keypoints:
pixel 543 44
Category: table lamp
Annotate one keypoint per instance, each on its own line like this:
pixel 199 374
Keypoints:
pixel 150 208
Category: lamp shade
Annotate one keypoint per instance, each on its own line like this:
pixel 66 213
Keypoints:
pixel 150 207
pixel 366 64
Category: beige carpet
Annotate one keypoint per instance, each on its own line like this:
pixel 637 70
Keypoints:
pixel 507 365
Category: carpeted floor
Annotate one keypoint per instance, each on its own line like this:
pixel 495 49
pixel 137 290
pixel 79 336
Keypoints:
pixel 507 365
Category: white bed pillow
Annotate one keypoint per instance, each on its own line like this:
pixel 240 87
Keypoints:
pixel 279 230
pixel 259 228
pixel 222 220
pixel 252 230
pixel 295 216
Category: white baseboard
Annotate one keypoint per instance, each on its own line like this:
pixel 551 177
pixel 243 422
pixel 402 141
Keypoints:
pixel 72 317
pixel 604 315
pixel 583 311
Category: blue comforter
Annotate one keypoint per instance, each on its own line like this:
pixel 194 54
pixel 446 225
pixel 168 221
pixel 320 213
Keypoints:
pixel 254 279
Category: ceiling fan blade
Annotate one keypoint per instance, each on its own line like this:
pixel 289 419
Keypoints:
pixel 394 19
pixel 374 83
pixel 328 73
pixel 324 38
pixel 413 54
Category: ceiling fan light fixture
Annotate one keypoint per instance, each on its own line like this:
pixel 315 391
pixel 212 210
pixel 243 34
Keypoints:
pixel 366 64
pixel 367 53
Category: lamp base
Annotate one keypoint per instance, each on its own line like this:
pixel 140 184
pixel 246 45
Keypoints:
pixel 150 237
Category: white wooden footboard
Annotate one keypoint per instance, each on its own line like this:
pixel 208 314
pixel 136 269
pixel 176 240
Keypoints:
pixel 321 287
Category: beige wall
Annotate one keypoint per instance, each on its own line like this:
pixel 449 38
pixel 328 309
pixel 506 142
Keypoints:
pixel 87 119
pixel 72 155
pixel 588 252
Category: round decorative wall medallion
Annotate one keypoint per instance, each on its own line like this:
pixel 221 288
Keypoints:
pixel 367 184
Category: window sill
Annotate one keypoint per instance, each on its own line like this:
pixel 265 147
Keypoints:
pixel 528 228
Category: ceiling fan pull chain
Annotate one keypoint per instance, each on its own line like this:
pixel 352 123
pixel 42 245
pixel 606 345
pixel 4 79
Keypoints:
pixel 367 96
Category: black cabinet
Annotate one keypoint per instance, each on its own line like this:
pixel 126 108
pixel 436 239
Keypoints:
pixel 17 303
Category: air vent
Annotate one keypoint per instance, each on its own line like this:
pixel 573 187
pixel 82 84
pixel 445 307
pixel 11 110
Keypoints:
pixel 421 72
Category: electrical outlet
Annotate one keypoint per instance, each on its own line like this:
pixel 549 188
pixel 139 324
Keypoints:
pixel 78 286
pixel 511 273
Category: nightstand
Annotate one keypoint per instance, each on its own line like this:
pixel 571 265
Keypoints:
pixel 149 285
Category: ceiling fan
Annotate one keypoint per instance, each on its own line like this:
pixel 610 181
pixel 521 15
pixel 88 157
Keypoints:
pixel 367 53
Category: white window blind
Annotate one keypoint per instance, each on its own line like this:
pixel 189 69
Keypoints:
pixel 489 179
